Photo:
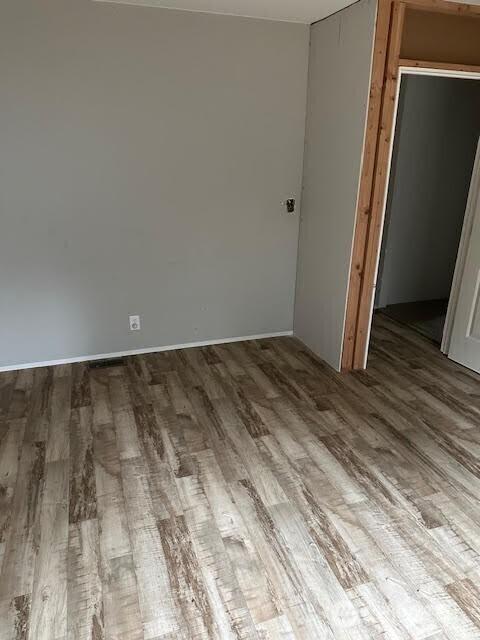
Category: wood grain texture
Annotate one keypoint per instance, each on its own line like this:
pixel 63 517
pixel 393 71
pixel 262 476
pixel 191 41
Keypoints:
pixel 243 491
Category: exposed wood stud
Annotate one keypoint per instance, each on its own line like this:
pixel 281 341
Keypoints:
pixel 364 209
pixel 379 185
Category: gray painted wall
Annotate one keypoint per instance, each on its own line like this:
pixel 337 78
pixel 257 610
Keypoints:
pixel 436 138
pixel 339 72
pixel 144 156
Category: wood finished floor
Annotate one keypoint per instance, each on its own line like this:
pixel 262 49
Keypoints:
pixel 242 492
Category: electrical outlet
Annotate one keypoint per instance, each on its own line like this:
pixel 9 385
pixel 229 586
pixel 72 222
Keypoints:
pixel 290 205
pixel 135 323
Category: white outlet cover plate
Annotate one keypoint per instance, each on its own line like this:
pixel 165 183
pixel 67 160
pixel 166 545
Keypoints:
pixel 135 323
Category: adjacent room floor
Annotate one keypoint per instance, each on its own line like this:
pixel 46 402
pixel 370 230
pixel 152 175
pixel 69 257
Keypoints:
pixel 427 316
pixel 242 491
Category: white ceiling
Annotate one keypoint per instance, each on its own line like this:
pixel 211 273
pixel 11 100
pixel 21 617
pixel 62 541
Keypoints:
pixel 306 11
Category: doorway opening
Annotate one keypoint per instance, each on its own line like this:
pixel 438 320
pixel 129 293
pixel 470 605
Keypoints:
pixel 433 156
pixel 432 37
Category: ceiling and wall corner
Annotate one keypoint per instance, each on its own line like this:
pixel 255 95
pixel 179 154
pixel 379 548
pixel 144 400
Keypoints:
pixel 303 11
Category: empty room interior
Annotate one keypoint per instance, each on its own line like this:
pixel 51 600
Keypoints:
pixel 240 320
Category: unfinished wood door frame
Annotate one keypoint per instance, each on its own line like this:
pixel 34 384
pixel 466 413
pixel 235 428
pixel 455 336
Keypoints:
pixel 376 160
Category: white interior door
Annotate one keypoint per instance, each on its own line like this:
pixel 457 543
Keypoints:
pixel 465 337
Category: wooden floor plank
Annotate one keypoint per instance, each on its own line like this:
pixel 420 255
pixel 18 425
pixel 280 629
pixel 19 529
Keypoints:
pixel 148 554
pixel 48 618
pixel 85 593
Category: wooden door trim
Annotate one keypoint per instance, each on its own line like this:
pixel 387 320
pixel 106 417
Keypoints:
pixel 382 32
pixel 443 6
pixel 376 161
pixel 443 66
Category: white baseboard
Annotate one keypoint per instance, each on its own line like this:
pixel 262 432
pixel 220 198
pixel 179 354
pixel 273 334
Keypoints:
pixel 139 352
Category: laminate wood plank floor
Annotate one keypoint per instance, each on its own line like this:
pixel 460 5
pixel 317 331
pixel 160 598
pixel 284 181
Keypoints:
pixel 242 491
